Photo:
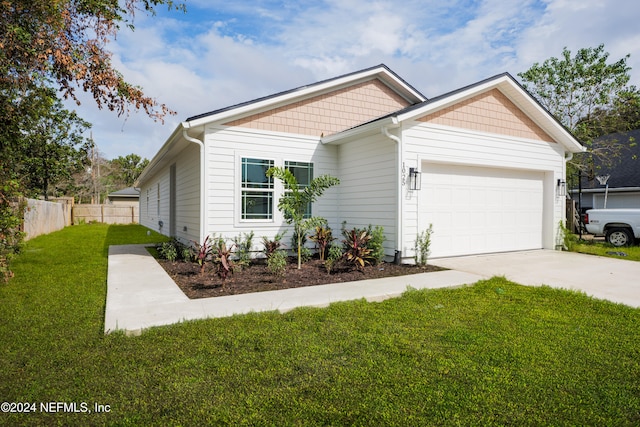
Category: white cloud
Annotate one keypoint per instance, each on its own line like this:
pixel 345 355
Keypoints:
pixel 222 53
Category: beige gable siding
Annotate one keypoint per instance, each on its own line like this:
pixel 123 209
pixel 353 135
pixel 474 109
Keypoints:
pixel 329 113
pixel 489 112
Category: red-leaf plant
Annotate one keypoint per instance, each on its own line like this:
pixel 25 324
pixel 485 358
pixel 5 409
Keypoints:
pixel 203 251
pixel 222 258
pixel 356 250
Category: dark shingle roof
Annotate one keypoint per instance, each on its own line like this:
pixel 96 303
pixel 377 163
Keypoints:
pixel 625 172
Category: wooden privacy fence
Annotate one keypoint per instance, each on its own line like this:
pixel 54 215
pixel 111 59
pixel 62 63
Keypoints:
pixel 41 217
pixel 108 214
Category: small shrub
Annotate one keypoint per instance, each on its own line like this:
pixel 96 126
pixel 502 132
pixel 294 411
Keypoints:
pixel 305 254
pixel 334 256
pixel 221 258
pixel 569 240
pixel 277 263
pixel 173 250
pixel 186 254
pixel 356 247
pixel 323 239
pixel 243 244
pixel 376 242
pixel 168 251
pixel 270 246
pixel 422 246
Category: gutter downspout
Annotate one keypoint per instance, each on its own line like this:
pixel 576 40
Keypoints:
pixel 399 242
pixel 203 179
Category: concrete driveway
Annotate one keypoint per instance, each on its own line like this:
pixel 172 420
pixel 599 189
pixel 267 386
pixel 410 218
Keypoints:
pixel 615 280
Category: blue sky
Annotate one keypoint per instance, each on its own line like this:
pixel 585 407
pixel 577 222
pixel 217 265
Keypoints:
pixel 221 53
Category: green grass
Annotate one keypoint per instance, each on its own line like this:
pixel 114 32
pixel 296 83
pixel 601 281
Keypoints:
pixel 495 353
pixel 632 253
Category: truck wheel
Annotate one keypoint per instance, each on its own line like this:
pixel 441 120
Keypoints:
pixel 619 236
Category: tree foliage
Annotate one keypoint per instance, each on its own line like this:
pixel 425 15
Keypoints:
pixel 55 149
pixel 126 169
pixel 591 97
pixel 293 203
pixel 66 42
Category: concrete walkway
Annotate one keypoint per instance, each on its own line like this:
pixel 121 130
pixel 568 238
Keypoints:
pixel 616 280
pixel 140 294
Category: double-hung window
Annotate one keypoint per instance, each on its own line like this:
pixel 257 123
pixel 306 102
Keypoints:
pixel 304 175
pixel 257 189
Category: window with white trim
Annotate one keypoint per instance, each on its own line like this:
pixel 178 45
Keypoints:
pixel 303 172
pixel 257 189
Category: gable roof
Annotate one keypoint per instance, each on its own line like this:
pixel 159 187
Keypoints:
pixel 380 72
pixel 126 192
pixel 505 83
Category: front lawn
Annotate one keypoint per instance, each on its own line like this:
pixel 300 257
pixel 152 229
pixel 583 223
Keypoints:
pixel 495 353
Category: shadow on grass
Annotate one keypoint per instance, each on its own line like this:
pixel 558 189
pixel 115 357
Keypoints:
pixel 129 234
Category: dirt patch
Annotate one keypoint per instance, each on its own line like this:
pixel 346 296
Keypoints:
pixel 256 277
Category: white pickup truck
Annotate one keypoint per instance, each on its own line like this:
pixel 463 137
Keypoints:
pixel 619 226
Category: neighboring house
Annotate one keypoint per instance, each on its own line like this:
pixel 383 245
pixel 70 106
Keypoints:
pixel 623 189
pixel 129 196
pixel 490 160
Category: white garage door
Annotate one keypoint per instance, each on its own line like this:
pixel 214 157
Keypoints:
pixel 481 210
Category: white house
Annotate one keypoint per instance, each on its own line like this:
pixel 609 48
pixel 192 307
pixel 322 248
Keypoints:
pixel 484 164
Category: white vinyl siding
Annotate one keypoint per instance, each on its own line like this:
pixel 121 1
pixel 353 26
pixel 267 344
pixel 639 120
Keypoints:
pixel 369 185
pixel 226 147
pixel 155 195
pixel 188 194
pixel 155 213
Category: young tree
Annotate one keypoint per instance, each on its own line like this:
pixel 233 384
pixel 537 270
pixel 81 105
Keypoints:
pixel 293 204
pixel 590 97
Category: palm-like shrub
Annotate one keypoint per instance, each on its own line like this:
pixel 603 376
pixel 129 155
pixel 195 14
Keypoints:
pixel 356 245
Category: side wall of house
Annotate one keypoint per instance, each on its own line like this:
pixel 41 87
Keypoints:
pixel 154 202
pixel 368 191
pixel 187 193
pixel 155 197
pixel 225 148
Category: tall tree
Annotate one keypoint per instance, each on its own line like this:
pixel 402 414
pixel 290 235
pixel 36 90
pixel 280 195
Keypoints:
pixel 126 169
pixel 55 149
pixel 591 98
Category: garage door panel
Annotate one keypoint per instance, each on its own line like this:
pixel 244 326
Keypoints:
pixel 481 210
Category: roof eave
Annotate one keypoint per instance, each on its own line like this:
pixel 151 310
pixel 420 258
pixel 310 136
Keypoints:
pixel 147 172
pixel 372 127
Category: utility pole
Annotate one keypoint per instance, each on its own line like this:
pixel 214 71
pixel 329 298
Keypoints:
pixel 95 172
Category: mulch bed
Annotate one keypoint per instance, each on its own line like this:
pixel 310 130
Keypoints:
pixel 256 277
